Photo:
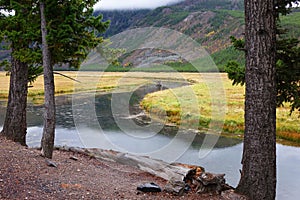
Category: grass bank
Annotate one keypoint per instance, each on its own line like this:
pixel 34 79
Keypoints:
pixel 169 105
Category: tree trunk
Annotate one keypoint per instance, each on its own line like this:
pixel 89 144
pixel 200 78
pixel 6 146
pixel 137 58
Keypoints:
pixel 47 142
pixel 258 176
pixel 15 126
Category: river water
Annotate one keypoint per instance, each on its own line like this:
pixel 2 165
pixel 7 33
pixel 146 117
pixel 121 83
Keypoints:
pixel 224 157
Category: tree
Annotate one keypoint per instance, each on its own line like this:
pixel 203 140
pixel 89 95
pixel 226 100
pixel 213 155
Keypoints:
pixel 287 67
pixel 15 29
pixel 72 33
pixel 258 175
pixel 47 142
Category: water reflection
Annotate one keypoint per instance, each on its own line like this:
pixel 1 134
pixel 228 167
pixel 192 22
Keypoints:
pixel 224 158
pixel 219 160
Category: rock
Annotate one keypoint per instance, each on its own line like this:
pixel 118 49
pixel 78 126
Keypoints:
pixel 149 187
pixel 73 158
pixel 50 163
pixel 175 186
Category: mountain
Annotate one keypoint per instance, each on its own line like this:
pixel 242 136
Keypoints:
pixel 209 22
pixel 124 19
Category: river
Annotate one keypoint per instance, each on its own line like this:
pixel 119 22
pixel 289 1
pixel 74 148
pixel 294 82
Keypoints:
pixel 224 157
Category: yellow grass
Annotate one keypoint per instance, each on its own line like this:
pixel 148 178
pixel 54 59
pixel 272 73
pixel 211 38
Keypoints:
pixel 167 102
pixel 164 103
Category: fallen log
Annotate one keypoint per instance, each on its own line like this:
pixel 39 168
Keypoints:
pixel 153 166
pixel 180 177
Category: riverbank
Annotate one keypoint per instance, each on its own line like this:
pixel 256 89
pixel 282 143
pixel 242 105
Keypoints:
pixel 24 174
pixel 166 102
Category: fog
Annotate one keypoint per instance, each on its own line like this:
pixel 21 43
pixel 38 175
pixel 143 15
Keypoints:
pixel 132 4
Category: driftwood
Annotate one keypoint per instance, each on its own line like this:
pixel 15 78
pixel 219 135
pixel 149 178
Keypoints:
pixel 153 166
pixel 177 187
pixel 180 177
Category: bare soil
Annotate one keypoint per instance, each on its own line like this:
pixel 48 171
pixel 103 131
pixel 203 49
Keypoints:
pixel 24 174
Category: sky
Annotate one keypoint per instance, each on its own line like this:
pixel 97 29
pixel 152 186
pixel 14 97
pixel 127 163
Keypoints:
pixel 132 4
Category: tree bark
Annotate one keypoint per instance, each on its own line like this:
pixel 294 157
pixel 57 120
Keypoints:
pixel 15 125
pixel 258 176
pixel 47 142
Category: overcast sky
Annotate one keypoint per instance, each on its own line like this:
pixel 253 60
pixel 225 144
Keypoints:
pixel 132 4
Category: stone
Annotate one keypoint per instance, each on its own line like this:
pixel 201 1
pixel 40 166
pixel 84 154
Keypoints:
pixel 51 163
pixel 175 186
pixel 73 158
pixel 149 187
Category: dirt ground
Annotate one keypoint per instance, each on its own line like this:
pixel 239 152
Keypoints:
pixel 24 174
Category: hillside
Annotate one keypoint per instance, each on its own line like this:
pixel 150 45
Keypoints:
pixel 124 19
pixel 209 22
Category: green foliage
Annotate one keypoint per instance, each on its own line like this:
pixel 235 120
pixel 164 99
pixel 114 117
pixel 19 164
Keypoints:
pixel 222 57
pixel 174 66
pixel 288 72
pixel 34 72
pixel 72 32
pixel 236 73
pixel 121 20
pixel 19 32
pixel 237 43
pixel 287 67
pixel 217 21
pixel 291 23
pixel 284 7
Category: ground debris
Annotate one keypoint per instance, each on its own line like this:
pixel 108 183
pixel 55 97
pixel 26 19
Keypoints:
pixel 97 178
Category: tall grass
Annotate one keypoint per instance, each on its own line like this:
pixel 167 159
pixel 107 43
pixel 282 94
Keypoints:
pixel 167 102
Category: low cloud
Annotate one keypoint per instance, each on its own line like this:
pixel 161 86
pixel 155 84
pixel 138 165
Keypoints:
pixel 132 4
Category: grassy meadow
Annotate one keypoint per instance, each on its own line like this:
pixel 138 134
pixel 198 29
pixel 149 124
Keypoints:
pixel 180 106
pixel 167 102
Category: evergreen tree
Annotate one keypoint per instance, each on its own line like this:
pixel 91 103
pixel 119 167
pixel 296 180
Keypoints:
pixel 72 32
pixel 18 31
pixel 70 35
pixel 258 175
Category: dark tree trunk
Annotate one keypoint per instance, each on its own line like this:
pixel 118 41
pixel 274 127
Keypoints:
pixel 258 177
pixel 49 112
pixel 15 126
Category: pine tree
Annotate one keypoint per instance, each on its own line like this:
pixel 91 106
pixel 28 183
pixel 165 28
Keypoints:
pixel 72 32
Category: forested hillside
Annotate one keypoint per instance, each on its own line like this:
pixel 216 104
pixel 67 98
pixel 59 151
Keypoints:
pixel 209 22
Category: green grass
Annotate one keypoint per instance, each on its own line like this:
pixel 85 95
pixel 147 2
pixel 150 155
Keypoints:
pixel 176 112
pixel 167 67
pixel 292 19
pixel 221 58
